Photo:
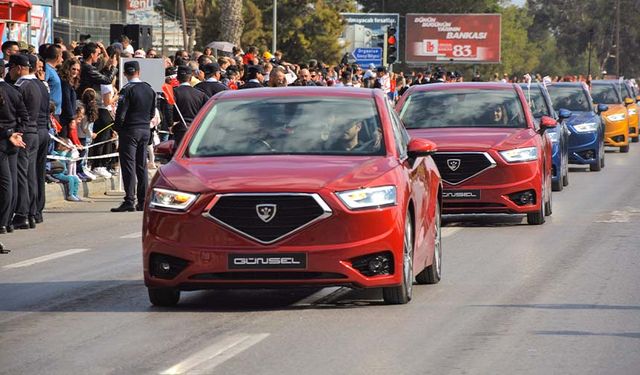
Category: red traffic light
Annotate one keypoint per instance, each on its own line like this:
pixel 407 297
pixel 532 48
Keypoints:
pixel 391 40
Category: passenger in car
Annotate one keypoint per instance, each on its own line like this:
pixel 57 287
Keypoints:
pixel 346 137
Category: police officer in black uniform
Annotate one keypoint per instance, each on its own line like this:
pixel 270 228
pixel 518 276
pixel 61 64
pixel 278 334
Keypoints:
pixel 12 115
pixel 41 155
pixel 22 69
pixel 211 85
pixel 189 101
pixel 255 75
pixel 136 108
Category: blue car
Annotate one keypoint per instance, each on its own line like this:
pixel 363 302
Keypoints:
pixel 586 141
pixel 541 105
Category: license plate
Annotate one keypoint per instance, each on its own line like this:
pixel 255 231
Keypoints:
pixel 461 194
pixel 267 261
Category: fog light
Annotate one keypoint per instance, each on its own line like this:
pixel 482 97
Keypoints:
pixel 523 197
pixel 165 266
pixel 374 264
pixel 379 265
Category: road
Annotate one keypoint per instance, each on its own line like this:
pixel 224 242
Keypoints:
pixel 561 298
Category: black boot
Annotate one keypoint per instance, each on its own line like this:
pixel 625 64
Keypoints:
pixel 124 207
pixel 32 222
pixel 20 223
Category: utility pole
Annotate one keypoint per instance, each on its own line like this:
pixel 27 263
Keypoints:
pixel 589 46
pixel 164 53
pixel 184 25
pixel 618 38
pixel 274 42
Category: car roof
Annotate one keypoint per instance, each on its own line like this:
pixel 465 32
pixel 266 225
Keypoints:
pixel 464 85
pixel 571 84
pixel 605 81
pixel 337 92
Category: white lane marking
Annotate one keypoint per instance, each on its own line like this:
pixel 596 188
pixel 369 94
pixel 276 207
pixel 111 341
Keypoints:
pixel 317 296
pixel 132 235
pixel 45 258
pixel 450 231
pixel 216 354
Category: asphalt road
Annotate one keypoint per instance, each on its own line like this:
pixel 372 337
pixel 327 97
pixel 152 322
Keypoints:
pixel 561 298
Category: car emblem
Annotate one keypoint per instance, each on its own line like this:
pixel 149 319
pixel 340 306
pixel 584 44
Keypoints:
pixel 266 212
pixel 453 164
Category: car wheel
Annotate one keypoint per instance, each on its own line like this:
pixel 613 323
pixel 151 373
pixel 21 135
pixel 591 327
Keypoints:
pixel 537 218
pixel 164 297
pixel 548 209
pixel 557 185
pixel 565 179
pixel 433 273
pixel 635 139
pixel 624 149
pixel 602 157
pixel 399 295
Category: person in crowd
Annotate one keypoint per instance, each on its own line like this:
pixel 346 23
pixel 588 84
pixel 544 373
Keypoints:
pixel 60 171
pixel 136 107
pixel 69 81
pixel 22 69
pixel 304 78
pixel 13 114
pixel 74 143
pixel 140 54
pixel 211 85
pixel 43 142
pixel 126 44
pixel 208 51
pixel 90 76
pixel 255 77
pixel 152 53
pixel 277 78
pixel 10 47
pixel 53 58
pixel 188 102
pixel 85 132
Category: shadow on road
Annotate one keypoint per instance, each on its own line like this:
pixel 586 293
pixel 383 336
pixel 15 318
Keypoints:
pixel 483 220
pixel 630 335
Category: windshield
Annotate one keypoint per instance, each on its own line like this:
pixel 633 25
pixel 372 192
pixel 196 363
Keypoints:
pixel 605 93
pixel 536 101
pixel 625 90
pixel 281 125
pixel 463 108
pixel 571 98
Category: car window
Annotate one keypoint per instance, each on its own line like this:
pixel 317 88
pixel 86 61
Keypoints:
pixel 536 101
pixel 605 93
pixel 463 108
pixel 399 132
pixel 572 98
pixel 302 125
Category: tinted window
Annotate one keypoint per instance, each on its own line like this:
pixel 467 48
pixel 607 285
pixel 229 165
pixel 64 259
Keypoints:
pixel 571 98
pixel 463 108
pixel 290 126
pixel 605 93
pixel 626 91
pixel 536 101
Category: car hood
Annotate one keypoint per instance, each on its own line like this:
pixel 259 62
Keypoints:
pixel 475 139
pixel 614 109
pixel 275 173
pixel 581 117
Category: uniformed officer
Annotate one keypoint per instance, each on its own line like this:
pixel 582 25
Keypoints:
pixel 189 101
pixel 136 108
pixel 211 85
pixel 12 115
pixel 37 206
pixel 255 73
pixel 22 69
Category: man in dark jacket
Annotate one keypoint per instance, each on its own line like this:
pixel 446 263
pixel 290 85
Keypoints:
pixel 90 77
pixel 136 108
pixel 255 75
pixel 22 70
pixel 189 101
pixel 211 85
pixel 43 146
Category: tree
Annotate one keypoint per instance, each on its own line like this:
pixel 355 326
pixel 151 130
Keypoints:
pixel 231 21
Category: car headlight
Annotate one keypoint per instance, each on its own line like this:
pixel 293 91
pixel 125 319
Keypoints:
pixel 586 127
pixel 368 197
pixel 176 200
pixel 632 111
pixel 520 154
pixel 616 117
pixel 554 136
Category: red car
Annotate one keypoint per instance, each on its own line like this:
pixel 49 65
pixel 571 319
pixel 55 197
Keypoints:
pixel 293 187
pixel 492 156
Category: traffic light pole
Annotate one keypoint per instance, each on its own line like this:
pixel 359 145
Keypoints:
pixel 384 48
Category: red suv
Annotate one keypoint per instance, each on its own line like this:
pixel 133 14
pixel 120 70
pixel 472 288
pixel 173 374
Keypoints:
pixel 294 186
pixel 492 156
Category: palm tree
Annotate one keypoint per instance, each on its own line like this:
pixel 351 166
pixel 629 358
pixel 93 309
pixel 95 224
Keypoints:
pixel 231 21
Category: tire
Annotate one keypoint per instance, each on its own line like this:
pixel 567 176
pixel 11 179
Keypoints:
pixel 624 149
pixel 163 297
pixel 548 208
pixel 557 185
pixel 565 179
pixel 635 139
pixel 595 167
pixel 538 217
pixel 400 295
pixel 432 274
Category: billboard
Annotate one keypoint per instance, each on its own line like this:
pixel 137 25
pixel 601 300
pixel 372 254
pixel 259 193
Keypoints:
pixel 41 25
pixel 363 36
pixel 453 38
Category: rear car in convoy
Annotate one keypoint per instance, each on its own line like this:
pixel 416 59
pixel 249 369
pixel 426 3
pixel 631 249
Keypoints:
pixel 492 156
pixel 616 118
pixel 632 108
pixel 293 187
pixel 586 139
pixel 540 105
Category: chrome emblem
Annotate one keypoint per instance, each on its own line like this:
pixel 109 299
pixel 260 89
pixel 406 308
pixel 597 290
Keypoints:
pixel 266 212
pixel 453 164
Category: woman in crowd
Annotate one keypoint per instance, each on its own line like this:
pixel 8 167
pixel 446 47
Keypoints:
pixel 69 80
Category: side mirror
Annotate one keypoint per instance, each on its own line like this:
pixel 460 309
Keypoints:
pixel 420 147
pixel 547 122
pixel 602 108
pixel 564 113
pixel 628 101
pixel 164 151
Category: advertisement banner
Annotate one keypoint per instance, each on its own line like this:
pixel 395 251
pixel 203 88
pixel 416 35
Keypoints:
pixel 139 4
pixel 453 38
pixel 363 36
pixel 41 25
pixel 141 12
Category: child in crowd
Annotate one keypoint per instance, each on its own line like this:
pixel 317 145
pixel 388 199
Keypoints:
pixel 75 143
pixel 85 131
pixel 60 171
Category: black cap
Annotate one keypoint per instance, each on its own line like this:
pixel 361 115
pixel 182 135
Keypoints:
pixel 255 69
pixel 210 68
pixel 170 71
pixel 33 61
pixel 130 67
pixel 19 59
pixel 184 70
pixel 381 69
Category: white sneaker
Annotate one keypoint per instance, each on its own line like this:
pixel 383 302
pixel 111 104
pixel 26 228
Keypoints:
pixel 87 172
pixel 102 172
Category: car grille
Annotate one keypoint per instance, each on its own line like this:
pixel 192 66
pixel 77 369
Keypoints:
pixel 456 168
pixel 268 275
pixel 290 213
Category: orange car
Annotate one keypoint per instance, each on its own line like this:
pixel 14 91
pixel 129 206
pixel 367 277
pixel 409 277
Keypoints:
pixel 616 119
pixel 632 110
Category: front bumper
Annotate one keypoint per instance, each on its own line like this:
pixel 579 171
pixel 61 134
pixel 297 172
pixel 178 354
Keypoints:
pixel 616 133
pixel 584 148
